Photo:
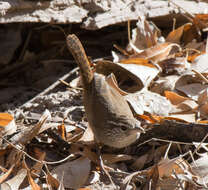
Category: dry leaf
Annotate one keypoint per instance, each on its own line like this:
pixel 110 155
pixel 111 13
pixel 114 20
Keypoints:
pixel 146 101
pixel 191 90
pixel 203 97
pixel 187 105
pixel 201 20
pixel 204 110
pixel 28 134
pixel 139 163
pixel 62 130
pixel 200 63
pixel 91 155
pixel 141 68
pixel 6 175
pixel 15 182
pixel 144 36
pixel 164 84
pixel 34 185
pixel 174 98
pixel 154 177
pixel 113 158
pixel 75 173
pixel 191 58
pixel 127 80
pixel 203 103
pixel 166 167
pixel 188 117
pixel 52 181
pixel 189 34
pixel 111 80
pixel 200 169
pixel 14 157
pixel 7 123
pixel 61 186
pixel 157 52
pixel 175 35
pixel 39 155
pixel 174 65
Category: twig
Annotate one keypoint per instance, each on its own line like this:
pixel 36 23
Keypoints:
pixel 103 167
pixel 166 153
pixel 162 140
pixel 174 24
pixel 200 76
pixel 106 172
pixel 65 83
pixel 128 179
pixel 42 162
pixel 179 180
pixel 129 31
pixel 69 86
pixel 124 52
pixel 199 146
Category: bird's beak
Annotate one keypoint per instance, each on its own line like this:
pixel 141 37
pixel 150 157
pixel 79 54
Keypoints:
pixel 138 126
pixel 141 129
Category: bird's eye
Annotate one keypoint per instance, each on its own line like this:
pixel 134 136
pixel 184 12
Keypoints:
pixel 123 128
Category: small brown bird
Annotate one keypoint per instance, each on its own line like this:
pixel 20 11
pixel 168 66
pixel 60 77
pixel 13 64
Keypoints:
pixel 107 111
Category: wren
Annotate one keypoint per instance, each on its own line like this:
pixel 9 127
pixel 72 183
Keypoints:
pixel 108 113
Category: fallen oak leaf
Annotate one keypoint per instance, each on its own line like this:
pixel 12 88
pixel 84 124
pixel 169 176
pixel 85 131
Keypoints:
pixel 52 181
pixel 138 61
pixel 153 119
pixel 174 98
pixel 176 35
pixel 163 84
pixel 28 134
pixel 200 64
pixel 157 52
pixel 62 130
pixel 61 186
pixel 114 158
pixel 37 167
pixel 6 174
pixel 187 116
pixel 145 35
pixel 191 58
pixel 188 106
pixel 190 85
pixel 34 185
pixel 194 31
pixel 7 124
pixel 76 172
pixel 201 20
pixel 176 65
pixel 122 75
pixel 152 103
pixel 111 80
pixel 169 170
pixel 85 150
pixel 167 166
pixel 203 121
pixel 146 71
pixel 15 182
